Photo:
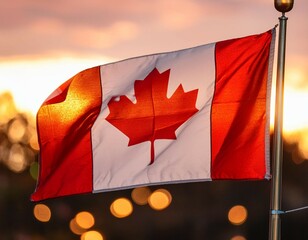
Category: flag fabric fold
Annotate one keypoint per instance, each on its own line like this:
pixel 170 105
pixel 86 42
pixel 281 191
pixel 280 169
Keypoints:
pixel 196 114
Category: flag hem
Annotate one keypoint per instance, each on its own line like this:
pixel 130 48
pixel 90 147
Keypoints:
pixel 268 105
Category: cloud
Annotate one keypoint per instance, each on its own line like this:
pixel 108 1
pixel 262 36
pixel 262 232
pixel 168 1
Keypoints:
pixel 179 15
pixel 104 37
pixel 30 28
pixel 127 28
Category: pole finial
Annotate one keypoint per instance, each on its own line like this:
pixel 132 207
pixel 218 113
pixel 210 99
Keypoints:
pixel 283 5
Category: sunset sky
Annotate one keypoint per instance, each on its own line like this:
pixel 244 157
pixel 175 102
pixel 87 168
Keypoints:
pixel 43 43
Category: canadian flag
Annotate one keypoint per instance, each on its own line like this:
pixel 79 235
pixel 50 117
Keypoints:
pixel 196 114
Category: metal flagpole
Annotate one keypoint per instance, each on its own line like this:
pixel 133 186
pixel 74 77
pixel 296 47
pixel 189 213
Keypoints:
pixel 282 6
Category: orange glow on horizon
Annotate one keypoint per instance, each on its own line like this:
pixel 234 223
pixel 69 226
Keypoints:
pixel 43 76
pixel 32 81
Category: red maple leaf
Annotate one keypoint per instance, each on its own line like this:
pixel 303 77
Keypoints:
pixel 154 116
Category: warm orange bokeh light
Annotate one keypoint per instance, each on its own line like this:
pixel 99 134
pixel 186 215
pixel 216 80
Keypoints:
pixel 91 235
pixel 238 238
pixel 140 195
pixel 237 215
pixel 85 220
pixel 7 107
pixel 34 142
pixel 17 159
pixel 17 130
pixel 75 228
pixel 42 212
pixel 121 207
pixel 160 199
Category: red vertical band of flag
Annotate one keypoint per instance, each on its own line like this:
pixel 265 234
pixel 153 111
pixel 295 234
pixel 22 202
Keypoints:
pixel 64 131
pixel 238 110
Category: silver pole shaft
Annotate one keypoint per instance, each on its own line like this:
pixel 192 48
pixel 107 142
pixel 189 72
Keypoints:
pixel 275 220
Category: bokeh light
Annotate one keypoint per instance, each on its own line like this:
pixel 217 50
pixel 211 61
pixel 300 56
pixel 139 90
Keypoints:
pixel 33 141
pixel 75 228
pixel 42 212
pixel 160 199
pixel 121 208
pixel 7 107
pixel 85 219
pixel 17 159
pixel 17 130
pixel 4 147
pixel 91 235
pixel 237 215
pixel 140 195
pixel 238 237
